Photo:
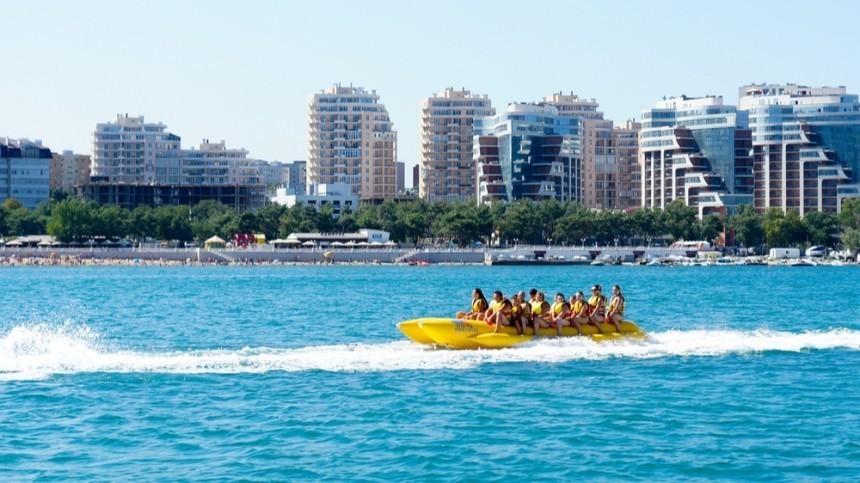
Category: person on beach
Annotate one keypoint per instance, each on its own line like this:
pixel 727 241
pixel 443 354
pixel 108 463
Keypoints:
pixel 499 312
pixel 478 309
pixel 540 313
pixel 560 313
pixel 597 307
pixel 615 311
pixel 578 310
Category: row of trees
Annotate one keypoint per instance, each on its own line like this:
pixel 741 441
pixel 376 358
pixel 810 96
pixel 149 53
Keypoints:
pixel 524 221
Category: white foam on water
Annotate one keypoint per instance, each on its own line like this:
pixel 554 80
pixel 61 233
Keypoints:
pixel 37 351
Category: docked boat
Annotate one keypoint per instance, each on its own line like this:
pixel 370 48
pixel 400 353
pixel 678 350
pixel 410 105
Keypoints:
pixel 477 334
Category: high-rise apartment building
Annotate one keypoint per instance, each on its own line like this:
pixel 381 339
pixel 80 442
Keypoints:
pixel 133 151
pixel 609 154
pixel 696 150
pixel 806 145
pixel 69 170
pixel 446 162
pixel 210 164
pixel 351 140
pixel 627 193
pixel 529 151
pixel 25 171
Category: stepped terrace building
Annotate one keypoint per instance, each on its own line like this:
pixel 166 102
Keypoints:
pixel 528 152
pixel 696 150
pixel 352 140
pixel 25 171
pixel 610 162
pixel 446 162
pixel 806 145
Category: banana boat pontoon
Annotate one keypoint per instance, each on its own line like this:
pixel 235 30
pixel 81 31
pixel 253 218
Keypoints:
pixel 477 334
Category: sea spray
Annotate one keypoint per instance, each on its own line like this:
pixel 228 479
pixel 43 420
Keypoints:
pixel 35 351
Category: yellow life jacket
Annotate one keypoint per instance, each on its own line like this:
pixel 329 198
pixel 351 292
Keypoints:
pixel 577 307
pixel 620 302
pixel 499 307
pixel 537 308
pixel 598 304
pixel 558 308
pixel 479 305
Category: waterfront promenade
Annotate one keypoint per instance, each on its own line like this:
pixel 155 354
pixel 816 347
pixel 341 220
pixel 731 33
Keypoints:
pixel 267 254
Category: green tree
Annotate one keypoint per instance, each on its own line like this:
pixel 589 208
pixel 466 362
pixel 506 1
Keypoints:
pixel 72 220
pixel 820 227
pixel 679 220
pixel 12 204
pixel 709 227
pixel 851 239
pixel 783 229
pixel 849 215
pixel 22 221
pixel 748 226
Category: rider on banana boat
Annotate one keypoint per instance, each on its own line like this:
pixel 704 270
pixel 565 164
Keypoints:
pixel 525 309
pixel 560 313
pixel 615 311
pixel 517 314
pixel 499 312
pixel 478 308
pixel 540 312
pixel 578 310
pixel 597 307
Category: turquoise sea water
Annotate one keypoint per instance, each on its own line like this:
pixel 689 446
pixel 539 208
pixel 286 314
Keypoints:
pixel 298 373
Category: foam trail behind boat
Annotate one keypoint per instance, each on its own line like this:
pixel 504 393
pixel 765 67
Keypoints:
pixel 39 351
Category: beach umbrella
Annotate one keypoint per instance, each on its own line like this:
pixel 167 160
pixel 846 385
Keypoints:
pixel 308 244
pixel 293 241
pixel 336 244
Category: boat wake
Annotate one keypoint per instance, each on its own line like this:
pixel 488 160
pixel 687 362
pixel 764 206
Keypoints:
pixel 38 351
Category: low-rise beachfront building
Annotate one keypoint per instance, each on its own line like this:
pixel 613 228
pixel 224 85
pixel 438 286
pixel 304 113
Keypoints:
pixel 528 152
pixel 806 146
pixel 362 238
pixel 696 150
pixel 446 162
pixel 339 196
pixel 25 171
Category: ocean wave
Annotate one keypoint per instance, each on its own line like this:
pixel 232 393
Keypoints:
pixel 38 351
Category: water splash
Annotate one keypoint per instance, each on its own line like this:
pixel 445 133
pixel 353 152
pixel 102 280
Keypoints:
pixel 37 351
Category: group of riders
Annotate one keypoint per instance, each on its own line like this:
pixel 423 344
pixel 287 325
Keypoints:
pixel 537 313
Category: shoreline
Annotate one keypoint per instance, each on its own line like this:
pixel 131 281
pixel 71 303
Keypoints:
pixel 72 257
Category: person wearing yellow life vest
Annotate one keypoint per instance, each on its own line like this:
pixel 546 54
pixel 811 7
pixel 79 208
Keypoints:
pixel 499 312
pixel 478 308
pixel 560 313
pixel 540 312
pixel 518 312
pixel 597 307
pixel 578 310
pixel 615 311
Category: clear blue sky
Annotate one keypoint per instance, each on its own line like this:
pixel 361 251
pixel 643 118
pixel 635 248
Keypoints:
pixel 243 71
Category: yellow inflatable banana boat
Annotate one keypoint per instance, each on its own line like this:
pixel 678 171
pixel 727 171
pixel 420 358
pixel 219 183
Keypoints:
pixel 477 334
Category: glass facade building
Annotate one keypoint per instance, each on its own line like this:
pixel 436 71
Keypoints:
pixel 528 152
pixel 696 150
pixel 806 145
